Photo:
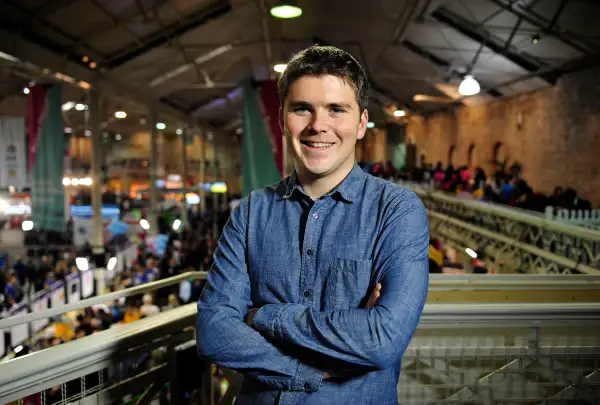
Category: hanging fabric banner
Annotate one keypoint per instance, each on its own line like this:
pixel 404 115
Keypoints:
pixel 270 106
pixel 13 165
pixel 259 166
pixel 46 157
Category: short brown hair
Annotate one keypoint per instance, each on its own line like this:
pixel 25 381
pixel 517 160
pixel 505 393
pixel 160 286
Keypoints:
pixel 326 60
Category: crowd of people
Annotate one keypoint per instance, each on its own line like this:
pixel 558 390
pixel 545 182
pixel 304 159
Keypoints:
pixel 504 186
pixel 188 250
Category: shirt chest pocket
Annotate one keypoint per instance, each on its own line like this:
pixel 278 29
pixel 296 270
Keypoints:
pixel 347 284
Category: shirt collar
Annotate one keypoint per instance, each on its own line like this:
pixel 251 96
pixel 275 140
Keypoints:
pixel 348 189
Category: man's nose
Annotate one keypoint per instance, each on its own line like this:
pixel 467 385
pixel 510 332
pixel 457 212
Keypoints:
pixel 319 122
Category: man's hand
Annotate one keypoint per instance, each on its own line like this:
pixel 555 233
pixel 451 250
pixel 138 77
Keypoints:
pixel 250 317
pixel 373 298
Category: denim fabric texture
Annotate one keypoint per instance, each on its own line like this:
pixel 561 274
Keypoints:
pixel 310 267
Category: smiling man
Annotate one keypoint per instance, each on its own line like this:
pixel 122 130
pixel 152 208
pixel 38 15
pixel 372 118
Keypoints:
pixel 319 281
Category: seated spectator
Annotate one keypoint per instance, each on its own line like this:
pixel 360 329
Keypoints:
pixel 148 308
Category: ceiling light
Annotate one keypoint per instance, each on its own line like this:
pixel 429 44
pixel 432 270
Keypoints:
pixel 26 90
pixel 161 125
pixel 286 9
pixel 120 114
pixel 399 113
pixel 68 130
pixel 8 57
pixel 82 263
pixel 112 263
pixel 144 224
pixel 179 131
pixel 118 137
pixel 69 105
pixel 85 59
pixel 80 107
pixel 535 39
pixel 471 253
pixel 370 125
pixel 87 132
pixel 469 86
pixel 93 65
pixel 280 67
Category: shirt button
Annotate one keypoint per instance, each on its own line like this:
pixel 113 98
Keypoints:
pixel 310 252
pixel 307 293
pixel 316 216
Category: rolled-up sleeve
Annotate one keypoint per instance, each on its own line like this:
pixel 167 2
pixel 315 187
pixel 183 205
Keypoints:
pixel 376 337
pixel 224 338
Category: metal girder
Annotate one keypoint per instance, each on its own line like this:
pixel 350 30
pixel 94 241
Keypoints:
pixel 441 63
pixel 22 28
pixel 478 34
pixel 173 31
pixel 374 86
pixel 545 28
pixel 52 6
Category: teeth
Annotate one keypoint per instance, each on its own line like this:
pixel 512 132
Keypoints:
pixel 319 144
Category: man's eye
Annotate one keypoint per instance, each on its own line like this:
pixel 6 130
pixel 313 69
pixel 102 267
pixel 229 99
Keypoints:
pixel 337 110
pixel 301 109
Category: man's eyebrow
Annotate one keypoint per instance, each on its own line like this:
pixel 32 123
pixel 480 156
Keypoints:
pixel 299 103
pixel 343 105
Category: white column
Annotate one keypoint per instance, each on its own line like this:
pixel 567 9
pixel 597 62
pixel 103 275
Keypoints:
pixel 97 242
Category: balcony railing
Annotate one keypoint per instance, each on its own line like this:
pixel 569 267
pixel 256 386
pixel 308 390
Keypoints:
pixel 511 237
pixel 486 353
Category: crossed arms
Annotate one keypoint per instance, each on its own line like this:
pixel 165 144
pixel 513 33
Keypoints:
pixel 362 339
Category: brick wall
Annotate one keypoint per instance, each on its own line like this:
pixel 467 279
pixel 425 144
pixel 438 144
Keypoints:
pixel 554 133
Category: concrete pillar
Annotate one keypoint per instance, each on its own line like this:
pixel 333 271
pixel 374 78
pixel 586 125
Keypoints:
pixel 153 217
pixel 202 174
pixel 97 242
pixel 184 175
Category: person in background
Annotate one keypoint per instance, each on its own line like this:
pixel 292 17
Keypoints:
pixel 148 308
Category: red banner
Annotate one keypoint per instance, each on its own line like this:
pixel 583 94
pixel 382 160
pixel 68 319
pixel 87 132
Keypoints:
pixel 269 98
pixel 36 106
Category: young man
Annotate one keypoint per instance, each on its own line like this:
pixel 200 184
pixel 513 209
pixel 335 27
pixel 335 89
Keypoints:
pixel 318 282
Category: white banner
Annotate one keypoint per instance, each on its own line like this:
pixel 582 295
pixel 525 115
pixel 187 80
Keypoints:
pixel 19 333
pixel 39 303
pixel 13 166
pixel 57 297
pixel 87 283
pixel 73 287
pixel 2 342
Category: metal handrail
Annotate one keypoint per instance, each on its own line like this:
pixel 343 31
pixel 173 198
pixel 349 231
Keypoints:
pixel 83 356
pixel 100 299
pixel 516 215
pixel 94 351
pixel 564 261
pixel 437 282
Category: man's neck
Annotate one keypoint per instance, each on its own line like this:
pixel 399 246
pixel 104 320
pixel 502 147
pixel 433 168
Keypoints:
pixel 315 187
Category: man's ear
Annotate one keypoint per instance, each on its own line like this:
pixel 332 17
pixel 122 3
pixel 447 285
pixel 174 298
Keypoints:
pixel 362 124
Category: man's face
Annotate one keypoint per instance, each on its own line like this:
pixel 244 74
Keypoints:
pixel 322 121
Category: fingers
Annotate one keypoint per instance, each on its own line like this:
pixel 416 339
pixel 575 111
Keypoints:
pixel 374 296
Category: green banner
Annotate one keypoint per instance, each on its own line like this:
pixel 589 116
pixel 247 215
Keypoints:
pixel 47 192
pixel 259 168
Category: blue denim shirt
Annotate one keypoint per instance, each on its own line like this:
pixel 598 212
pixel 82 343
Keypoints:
pixel 310 267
